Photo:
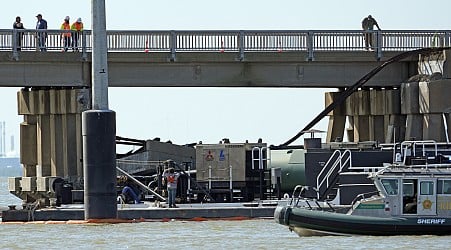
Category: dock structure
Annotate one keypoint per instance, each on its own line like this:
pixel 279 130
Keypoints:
pixel 406 100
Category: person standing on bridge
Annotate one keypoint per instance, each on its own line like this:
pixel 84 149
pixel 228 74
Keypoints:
pixel 77 28
pixel 41 25
pixel 368 24
pixel 18 25
pixel 66 35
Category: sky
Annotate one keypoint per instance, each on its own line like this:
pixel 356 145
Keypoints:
pixel 186 115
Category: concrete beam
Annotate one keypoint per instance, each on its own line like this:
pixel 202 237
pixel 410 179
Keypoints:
pixel 203 69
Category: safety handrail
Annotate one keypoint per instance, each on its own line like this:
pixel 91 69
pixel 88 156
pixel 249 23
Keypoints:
pixel 319 179
pixel 343 160
pixel 347 155
pixel 241 41
pixel 295 199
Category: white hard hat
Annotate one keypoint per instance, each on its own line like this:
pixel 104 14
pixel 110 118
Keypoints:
pixel 79 20
pixel 67 18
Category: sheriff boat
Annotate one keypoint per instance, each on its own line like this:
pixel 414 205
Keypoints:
pixel 413 197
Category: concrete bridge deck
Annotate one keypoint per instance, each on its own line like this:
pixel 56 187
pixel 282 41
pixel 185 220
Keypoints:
pixel 215 58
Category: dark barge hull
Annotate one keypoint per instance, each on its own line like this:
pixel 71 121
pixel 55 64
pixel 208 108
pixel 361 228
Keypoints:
pixel 307 222
pixel 183 212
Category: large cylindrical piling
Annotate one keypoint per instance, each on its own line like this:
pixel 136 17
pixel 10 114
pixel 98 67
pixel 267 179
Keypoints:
pixel 99 163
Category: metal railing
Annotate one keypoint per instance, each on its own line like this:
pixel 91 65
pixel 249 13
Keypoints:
pixel 239 41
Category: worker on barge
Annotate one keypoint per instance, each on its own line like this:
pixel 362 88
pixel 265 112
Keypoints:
pixel 171 180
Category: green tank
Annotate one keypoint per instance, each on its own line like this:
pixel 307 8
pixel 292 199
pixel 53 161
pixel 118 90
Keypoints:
pixel 292 165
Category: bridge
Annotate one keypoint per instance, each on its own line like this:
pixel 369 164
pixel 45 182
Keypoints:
pixel 241 58
pixel 57 83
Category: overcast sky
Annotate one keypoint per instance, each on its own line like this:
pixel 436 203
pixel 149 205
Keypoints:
pixel 186 115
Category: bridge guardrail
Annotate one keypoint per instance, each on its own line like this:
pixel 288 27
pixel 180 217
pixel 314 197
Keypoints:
pixel 239 41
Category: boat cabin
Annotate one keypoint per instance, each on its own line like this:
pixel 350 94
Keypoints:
pixel 417 184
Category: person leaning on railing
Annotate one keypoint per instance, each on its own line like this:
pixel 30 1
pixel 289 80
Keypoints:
pixel 18 25
pixel 368 24
pixel 77 29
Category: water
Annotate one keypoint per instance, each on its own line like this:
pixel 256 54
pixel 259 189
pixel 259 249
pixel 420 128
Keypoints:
pixel 249 234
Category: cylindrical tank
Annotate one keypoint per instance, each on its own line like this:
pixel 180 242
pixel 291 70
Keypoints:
pixel 292 164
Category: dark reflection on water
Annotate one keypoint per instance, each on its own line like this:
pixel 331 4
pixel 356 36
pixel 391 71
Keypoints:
pixel 249 234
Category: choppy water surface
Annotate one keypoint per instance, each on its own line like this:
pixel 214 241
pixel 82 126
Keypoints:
pixel 249 234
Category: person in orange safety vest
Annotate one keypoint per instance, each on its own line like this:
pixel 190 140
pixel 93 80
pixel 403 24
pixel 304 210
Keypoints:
pixel 66 35
pixel 77 28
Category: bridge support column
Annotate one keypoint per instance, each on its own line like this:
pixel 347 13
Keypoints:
pixel 410 108
pixel 377 111
pixel 396 128
pixel 44 147
pixel 414 127
pixel 434 101
pixel 350 128
pixel 376 128
pixel 337 119
pixel 28 147
pixel 51 142
pixel 372 115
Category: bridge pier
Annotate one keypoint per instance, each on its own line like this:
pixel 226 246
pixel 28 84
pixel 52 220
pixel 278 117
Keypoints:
pixel 418 110
pixel 50 137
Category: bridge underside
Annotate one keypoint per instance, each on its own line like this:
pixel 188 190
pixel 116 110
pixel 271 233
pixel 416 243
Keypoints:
pixel 204 69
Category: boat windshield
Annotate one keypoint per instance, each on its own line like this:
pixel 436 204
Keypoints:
pixel 390 186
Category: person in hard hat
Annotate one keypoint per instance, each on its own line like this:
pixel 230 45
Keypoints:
pixel 171 179
pixel 77 29
pixel 66 35
pixel 41 24
pixel 368 24
pixel 18 25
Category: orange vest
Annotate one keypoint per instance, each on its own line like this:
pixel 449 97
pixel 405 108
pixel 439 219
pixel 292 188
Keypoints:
pixel 77 26
pixel 66 26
